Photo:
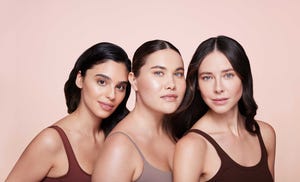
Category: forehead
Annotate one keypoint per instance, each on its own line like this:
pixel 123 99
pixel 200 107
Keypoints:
pixel 110 68
pixel 215 61
pixel 167 58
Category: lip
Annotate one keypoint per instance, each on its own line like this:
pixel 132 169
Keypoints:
pixel 106 106
pixel 220 101
pixel 169 97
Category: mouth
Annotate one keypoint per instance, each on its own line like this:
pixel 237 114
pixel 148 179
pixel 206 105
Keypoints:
pixel 169 97
pixel 220 101
pixel 106 106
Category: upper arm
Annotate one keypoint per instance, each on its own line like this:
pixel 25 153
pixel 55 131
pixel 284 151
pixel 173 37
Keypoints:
pixel 116 161
pixel 37 159
pixel 189 159
pixel 269 138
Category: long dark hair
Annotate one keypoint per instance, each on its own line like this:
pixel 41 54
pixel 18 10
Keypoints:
pixel 97 54
pixel 193 107
pixel 139 59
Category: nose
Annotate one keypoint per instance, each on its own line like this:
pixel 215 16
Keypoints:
pixel 170 84
pixel 110 94
pixel 219 86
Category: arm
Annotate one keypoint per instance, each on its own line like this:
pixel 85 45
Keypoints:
pixel 117 161
pixel 37 159
pixel 269 137
pixel 189 159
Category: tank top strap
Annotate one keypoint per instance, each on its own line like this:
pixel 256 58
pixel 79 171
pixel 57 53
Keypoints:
pixel 222 154
pixel 68 148
pixel 132 141
pixel 261 142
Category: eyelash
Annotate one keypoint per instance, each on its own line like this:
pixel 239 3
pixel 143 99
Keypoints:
pixel 229 75
pixel 101 82
pixel 121 87
pixel 179 74
pixel 158 73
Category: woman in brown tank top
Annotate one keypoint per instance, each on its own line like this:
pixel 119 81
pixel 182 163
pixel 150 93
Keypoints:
pixel 225 142
pixel 96 94
pixel 140 148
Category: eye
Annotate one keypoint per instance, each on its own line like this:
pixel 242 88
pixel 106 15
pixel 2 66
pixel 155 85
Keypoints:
pixel 179 74
pixel 206 77
pixel 121 87
pixel 101 82
pixel 228 75
pixel 158 73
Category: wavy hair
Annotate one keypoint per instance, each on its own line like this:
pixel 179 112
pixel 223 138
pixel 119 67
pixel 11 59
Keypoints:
pixel 193 106
pixel 97 54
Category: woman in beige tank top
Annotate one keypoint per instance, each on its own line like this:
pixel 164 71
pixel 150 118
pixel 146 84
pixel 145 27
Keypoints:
pixel 140 147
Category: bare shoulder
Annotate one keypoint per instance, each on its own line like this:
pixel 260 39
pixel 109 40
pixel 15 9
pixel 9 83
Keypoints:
pixel 48 140
pixel 268 135
pixel 120 154
pixel 119 143
pixel 191 144
pixel 190 153
pixel 40 155
pixel 267 130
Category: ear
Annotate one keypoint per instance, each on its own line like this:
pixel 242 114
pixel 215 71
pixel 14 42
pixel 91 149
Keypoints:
pixel 79 80
pixel 132 81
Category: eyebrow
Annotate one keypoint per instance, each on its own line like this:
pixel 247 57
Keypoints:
pixel 108 78
pixel 223 71
pixel 103 76
pixel 164 68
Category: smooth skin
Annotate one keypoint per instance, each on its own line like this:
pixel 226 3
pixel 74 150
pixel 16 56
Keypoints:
pixel 101 92
pixel 159 90
pixel 195 159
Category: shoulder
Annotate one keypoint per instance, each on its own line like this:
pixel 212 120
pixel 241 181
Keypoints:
pixel 192 144
pixel 267 130
pixel 120 154
pixel 119 142
pixel 47 140
pixel 190 153
pixel 268 134
pixel 40 155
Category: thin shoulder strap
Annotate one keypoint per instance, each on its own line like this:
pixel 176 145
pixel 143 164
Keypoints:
pixel 261 142
pixel 218 148
pixel 132 141
pixel 69 151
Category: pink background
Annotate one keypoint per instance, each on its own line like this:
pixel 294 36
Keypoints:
pixel 40 41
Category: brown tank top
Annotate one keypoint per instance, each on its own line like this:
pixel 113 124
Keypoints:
pixel 231 171
pixel 75 173
pixel 149 173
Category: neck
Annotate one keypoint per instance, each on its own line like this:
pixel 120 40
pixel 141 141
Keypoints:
pixel 230 121
pixel 148 121
pixel 85 121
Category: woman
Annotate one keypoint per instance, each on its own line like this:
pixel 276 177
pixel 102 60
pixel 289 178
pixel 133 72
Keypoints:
pixel 140 147
pixel 96 94
pixel 224 142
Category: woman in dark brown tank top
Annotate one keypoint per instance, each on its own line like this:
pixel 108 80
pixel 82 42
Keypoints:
pixel 219 138
pixel 96 94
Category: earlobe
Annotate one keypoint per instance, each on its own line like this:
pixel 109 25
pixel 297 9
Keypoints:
pixel 132 81
pixel 79 80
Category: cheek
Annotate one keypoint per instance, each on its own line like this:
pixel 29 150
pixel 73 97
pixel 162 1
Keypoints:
pixel 237 88
pixel 204 90
pixel 149 86
pixel 181 86
pixel 120 96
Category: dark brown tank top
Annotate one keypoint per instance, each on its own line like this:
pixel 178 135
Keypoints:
pixel 231 171
pixel 75 173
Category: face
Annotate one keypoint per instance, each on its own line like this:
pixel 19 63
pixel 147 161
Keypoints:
pixel 103 88
pixel 220 86
pixel 160 85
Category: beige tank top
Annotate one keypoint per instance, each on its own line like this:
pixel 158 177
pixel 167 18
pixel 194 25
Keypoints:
pixel 149 173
